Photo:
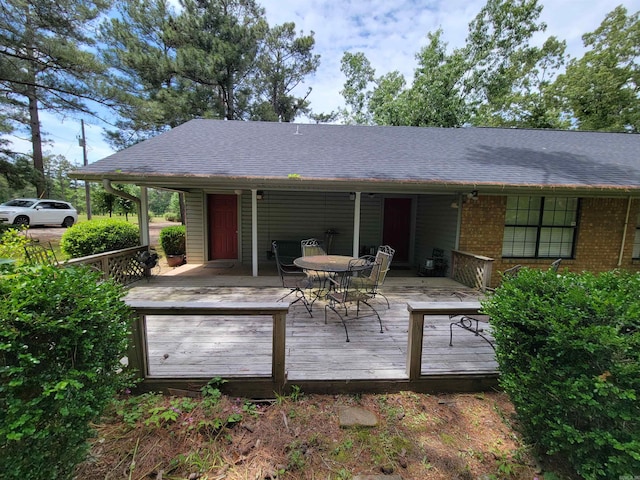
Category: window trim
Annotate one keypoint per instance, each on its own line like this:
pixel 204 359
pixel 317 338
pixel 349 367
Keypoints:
pixel 539 226
pixel 636 241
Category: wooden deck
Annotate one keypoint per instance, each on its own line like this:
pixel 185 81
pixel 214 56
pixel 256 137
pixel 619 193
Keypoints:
pixel 316 354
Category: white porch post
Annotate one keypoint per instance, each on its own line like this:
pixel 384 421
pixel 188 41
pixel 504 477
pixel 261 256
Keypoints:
pixel 143 216
pixel 356 225
pixel 254 232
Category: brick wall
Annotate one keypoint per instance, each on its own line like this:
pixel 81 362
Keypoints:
pixel 599 237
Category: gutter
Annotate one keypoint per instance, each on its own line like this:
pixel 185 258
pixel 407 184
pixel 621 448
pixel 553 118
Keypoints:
pixel 143 217
pixel 106 183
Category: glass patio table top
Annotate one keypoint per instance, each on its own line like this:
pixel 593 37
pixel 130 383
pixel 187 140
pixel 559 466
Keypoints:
pixel 326 263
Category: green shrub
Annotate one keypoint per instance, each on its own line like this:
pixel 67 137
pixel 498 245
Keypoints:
pixel 173 240
pixel 172 217
pixel 12 243
pixel 568 347
pixel 62 335
pixel 98 236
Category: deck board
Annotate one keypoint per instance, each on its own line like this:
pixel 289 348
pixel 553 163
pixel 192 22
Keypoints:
pixel 241 346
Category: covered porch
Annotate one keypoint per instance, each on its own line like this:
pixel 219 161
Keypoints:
pixel 184 351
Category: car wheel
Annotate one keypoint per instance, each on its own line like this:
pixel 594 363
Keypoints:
pixel 22 220
pixel 67 222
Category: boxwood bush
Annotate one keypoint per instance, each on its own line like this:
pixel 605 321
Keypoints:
pixel 62 335
pixel 568 347
pixel 173 240
pixel 98 236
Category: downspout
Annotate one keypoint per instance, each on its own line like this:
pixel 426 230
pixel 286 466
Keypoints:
pixel 143 216
pixel 624 232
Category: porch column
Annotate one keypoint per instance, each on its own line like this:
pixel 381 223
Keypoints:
pixel 143 216
pixel 356 226
pixel 254 232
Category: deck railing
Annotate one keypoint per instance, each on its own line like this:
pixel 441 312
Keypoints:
pixel 417 312
pixel 250 386
pixel 123 265
pixel 264 386
pixel 471 270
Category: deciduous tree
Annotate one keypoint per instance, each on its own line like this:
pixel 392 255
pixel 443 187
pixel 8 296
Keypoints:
pixel 357 91
pixel 601 88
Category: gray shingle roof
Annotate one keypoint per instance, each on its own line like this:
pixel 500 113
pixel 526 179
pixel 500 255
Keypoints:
pixel 480 156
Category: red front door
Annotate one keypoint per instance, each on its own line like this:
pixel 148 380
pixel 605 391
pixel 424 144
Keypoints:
pixel 396 230
pixel 223 227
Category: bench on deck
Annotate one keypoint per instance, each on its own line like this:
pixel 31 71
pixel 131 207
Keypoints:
pixel 288 250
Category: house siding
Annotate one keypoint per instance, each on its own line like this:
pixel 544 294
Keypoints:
pixel 294 216
pixel 436 227
pixel 195 221
pixel 598 241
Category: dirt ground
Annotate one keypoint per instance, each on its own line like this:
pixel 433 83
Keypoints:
pixel 418 437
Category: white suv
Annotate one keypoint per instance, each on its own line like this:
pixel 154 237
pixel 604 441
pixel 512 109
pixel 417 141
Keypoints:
pixel 34 211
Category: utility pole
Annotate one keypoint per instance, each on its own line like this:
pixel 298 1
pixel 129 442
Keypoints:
pixel 87 190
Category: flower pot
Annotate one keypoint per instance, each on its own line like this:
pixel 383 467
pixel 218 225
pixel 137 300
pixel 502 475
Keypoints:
pixel 175 260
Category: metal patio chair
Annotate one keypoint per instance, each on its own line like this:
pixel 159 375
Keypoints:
pixel 310 247
pixel 372 283
pixel 471 323
pixel 294 279
pixel 346 292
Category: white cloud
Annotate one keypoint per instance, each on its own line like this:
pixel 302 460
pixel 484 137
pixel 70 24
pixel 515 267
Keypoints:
pixel 390 33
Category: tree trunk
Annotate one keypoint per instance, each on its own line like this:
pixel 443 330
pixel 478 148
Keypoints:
pixel 36 139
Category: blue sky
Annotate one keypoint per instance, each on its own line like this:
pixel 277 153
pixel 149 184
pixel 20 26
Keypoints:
pixel 390 33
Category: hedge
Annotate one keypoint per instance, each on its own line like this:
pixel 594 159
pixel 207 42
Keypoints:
pixel 63 333
pixel 568 348
pixel 99 236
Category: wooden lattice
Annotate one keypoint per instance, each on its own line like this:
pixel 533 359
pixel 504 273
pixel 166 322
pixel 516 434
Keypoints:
pixel 472 270
pixel 126 269
pixel 124 266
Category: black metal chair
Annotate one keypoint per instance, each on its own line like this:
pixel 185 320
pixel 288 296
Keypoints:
pixel 346 292
pixel 294 279
pixel 310 247
pixel 466 322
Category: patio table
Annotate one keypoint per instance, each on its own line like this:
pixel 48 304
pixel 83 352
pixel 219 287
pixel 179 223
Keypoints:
pixel 331 264
pixel 324 263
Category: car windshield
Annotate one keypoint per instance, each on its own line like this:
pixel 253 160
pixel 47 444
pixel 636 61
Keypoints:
pixel 18 203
